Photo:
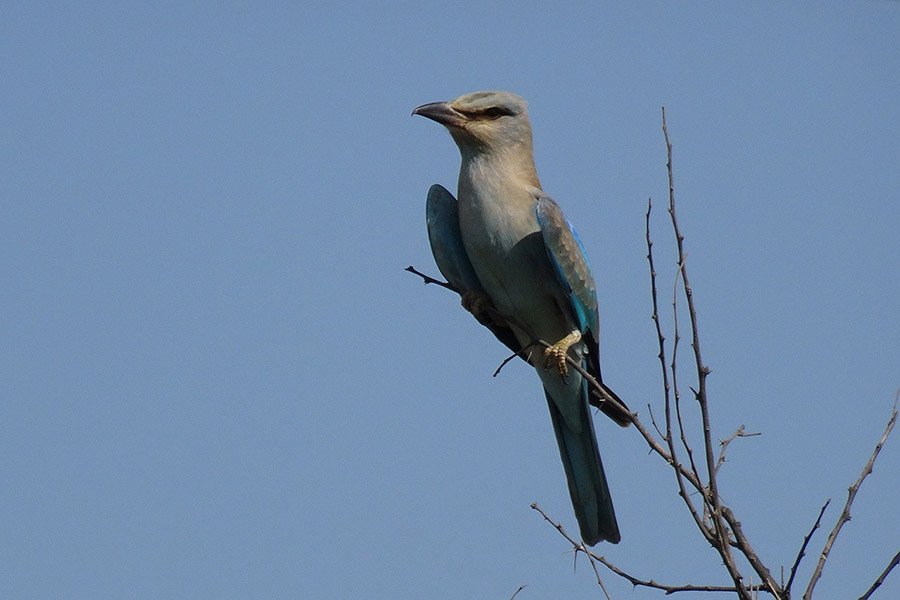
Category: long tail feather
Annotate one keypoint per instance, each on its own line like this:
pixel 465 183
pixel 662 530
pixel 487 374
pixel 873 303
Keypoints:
pixel 584 472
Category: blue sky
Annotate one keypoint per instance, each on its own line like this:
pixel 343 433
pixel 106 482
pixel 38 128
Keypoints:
pixel 216 380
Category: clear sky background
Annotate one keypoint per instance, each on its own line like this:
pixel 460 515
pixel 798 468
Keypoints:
pixel 217 381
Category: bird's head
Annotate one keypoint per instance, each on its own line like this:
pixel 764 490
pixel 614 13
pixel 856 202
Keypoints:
pixel 483 121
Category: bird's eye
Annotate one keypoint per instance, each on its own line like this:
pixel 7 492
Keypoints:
pixel 493 113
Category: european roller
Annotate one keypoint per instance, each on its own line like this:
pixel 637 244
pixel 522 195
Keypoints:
pixel 522 271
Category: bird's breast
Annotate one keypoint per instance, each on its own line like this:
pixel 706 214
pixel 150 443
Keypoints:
pixel 501 236
pixel 493 222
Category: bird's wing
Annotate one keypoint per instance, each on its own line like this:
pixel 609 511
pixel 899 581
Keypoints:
pixel 569 261
pixel 567 254
pixel 442 218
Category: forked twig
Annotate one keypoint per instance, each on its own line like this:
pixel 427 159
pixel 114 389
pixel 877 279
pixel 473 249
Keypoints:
pixel 723 444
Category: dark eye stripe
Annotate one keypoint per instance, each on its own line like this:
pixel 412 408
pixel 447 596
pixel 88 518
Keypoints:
pixel 492 113
pixel 495 112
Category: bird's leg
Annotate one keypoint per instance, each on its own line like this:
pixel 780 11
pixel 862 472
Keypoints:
pixel 555 355
pixel 481 308
pixel 475 303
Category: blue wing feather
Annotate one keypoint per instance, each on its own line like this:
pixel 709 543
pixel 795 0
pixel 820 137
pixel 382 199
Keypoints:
pixel 569 260
pixel 442 218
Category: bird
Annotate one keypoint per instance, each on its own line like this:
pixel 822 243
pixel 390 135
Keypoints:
pixel 522 271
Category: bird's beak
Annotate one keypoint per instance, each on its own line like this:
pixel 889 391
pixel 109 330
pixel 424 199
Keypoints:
pixel 441 112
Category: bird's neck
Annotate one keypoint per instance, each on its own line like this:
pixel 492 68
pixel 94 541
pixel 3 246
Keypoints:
pixel 483 170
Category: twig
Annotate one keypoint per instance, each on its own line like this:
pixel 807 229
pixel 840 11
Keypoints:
pixel 520 353
pixel 668 390
pixel 516 593
pixel 635 581
pixel 653 422
pixel 742 543
pixel 592 561
pixel 661 339
pixel 426 280
pixel 882 577
pixel 658 448
pixel 724 543
pixel 851 494
pixel 676 331
pixel 802 552
pixel 493 313
pixel 668 589
pixel 740 433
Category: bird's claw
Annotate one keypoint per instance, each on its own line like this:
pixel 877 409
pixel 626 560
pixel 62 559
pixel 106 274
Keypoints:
pixel 555 355
pixel 475 303
pixel 481 308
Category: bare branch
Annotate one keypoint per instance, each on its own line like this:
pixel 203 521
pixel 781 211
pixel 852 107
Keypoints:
pixel 851 494
pixel 677 332
pixel 426 280
pixel 516 593
pixel 670 589
pixel 591 559
pixel 882 577
pixel 668 390
pixel 802 552
pixel 635 581
pixel 742 543
pixel 521 353
pixel 740 433
pixel 723 543
pixel 653 422
pixel 658 448
pixel 661 339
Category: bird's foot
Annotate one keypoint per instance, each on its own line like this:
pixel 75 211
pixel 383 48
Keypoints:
pixel 555 355
pixel 480 306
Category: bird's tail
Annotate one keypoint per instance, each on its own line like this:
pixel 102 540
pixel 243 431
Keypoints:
pixel 617 412
pixel 584 473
